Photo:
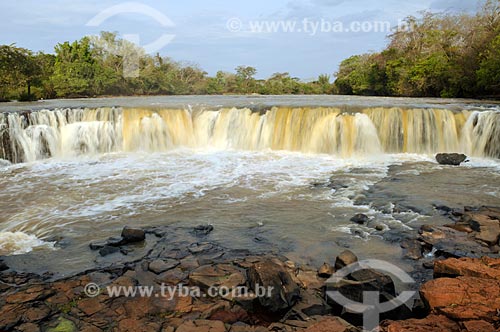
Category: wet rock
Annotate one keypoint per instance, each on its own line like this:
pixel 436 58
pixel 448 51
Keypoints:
pixel 354 286
pixel 444 209
pixel 365 280
pixel 488 228
pixel 451 243
pixel 98 245
pixel 326 271
pixel 463 298
pixel 197 248
pixel 3 266
pixel 108 250
pixel 133 235
pixel 451 159
pixel 413 249
pixel 432 323
pixel 346 258
pixel 221 275
pixel 380 228
pixel 273 279
pixel 162 265
pixel 311 303
pixel 308 279
pixel 115 241
pixel 360 219
pixel 487 268
pixel 189 263
pixel 203 230
pixel 429 264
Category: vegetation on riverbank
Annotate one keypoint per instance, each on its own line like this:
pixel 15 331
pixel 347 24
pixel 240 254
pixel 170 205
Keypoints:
pixel 442 55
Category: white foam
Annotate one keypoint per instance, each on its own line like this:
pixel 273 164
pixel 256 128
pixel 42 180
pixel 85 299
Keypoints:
pixel 18 243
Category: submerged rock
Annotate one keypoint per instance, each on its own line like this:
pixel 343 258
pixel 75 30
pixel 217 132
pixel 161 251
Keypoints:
pixel 451 159
pixel 3 266
pixel 98 245
pixel 360 219
pixel 108 250
pixel 203 230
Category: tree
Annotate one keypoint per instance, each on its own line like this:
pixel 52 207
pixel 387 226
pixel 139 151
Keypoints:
pixel 489 71
pixel 245 79
pixel 217 85
pixel 18 68
pixel 74 69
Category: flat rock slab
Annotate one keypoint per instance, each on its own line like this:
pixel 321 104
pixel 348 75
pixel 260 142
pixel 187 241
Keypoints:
pixel 162 265
pixel 488 268
pixel 432 323
pixel 464 298
pixel 222 275
pixel 202 326
pixel 451 243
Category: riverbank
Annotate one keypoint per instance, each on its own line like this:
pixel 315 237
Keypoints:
pixel 463 297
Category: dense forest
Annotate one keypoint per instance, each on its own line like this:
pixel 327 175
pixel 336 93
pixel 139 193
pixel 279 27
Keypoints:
pixel 439 55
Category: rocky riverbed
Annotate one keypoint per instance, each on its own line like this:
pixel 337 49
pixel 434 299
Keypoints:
pixel 457 270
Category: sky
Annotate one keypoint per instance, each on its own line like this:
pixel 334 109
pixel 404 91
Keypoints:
pixel 223 34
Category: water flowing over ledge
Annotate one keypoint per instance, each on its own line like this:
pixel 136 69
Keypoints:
pixel 30 136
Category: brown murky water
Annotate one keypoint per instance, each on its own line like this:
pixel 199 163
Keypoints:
pixel 296 202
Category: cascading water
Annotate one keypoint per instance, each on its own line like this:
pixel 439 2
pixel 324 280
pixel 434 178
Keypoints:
pixel 26 137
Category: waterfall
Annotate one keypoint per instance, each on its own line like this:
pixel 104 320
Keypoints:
pixel 30 136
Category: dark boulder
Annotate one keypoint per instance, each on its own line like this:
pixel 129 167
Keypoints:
pixel 282 292
pixel 360 219
pixel 355 286
pixel 3 266
pixel 108 250
pixel 132 235
pixel 203 230
pixel 98 245
pixel 452 159
pixel 116 241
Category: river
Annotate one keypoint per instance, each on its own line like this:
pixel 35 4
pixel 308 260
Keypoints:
pixel 269 173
